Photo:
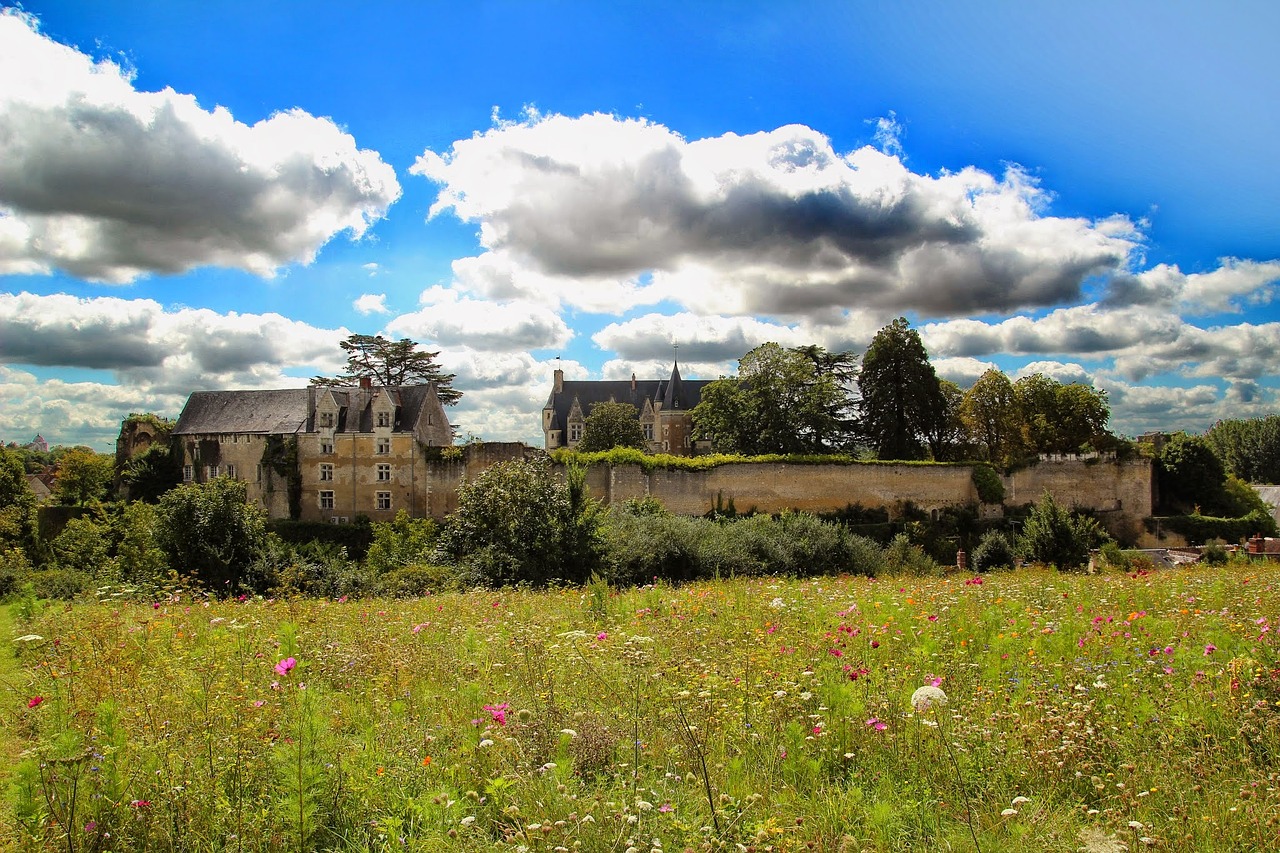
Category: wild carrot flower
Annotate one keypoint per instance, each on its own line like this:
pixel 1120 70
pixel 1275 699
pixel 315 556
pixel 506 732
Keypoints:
pixel 285 665
pixel 926 697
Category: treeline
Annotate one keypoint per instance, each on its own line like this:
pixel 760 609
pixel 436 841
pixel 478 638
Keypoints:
pixel 890 404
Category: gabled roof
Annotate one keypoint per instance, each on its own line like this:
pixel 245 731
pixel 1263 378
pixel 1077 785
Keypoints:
pixel 284 412
pixel 672 393
pixel 265 412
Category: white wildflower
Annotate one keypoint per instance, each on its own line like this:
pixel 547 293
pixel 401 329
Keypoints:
pixel 1008 813
pixel 926 697
pixel 1017 801
pixel 468 820
pixel 777 604
pixel 485 743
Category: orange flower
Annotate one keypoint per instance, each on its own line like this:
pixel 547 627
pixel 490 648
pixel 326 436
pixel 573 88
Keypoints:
pixel 426 762
pixel 380 770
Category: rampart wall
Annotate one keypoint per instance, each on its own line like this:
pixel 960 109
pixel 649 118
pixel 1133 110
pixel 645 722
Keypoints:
pixel 1120 492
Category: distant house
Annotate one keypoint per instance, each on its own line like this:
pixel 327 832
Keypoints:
pixel 318 453
pixel 662 405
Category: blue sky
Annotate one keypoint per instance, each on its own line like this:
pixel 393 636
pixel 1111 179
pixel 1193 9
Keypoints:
pixel 201 196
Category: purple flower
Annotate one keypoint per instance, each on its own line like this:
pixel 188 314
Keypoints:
pixel 285 665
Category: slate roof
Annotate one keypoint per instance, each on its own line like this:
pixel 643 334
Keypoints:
pixel 673 393
pixel 285 412
pixel 266 412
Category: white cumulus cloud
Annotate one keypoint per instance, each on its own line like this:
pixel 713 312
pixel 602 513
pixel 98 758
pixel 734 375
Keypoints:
pixel 109 183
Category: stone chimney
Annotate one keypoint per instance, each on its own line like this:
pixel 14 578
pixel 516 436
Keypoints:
pixel 559 381
pixel 633 383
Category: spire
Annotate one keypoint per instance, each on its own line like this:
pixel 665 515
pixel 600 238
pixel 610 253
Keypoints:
pixel 673 399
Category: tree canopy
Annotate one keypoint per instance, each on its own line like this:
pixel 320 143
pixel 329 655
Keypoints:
pixel 902 402
pixel 209 530
pixel 612 425
pixel 391 363
pixel 782 401
pixel 83 476
pixel 1249 449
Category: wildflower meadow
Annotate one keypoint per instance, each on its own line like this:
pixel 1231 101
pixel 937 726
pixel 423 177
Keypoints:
pixel 1027 710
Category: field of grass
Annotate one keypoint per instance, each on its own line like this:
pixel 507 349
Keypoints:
pixel 1101 713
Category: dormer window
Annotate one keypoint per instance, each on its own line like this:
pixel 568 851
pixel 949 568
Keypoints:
pixel 326 419
pixel 575 432
pixel 384 419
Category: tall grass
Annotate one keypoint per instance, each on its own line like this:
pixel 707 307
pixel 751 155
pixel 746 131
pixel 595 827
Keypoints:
pixel 761 712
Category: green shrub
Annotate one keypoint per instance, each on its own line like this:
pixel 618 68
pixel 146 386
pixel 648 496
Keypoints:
pixel 355 538
pixel 901 557
pixel 416 581
pixel 994 551
pixel 63 584
pixel 1056 537
pixel 1214 553
pixel 988 484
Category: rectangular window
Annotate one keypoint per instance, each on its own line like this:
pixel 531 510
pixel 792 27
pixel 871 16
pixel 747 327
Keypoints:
pixel 231 471
pixel 575 432
pixel 211 472
pixel 648 432
pixel 384 446
pixel 384 500
pixel 326 448
pixel 326 419
pixel 384 473
pixel 384 419
pixel 326 500
pixel 326 472
pixel 188 473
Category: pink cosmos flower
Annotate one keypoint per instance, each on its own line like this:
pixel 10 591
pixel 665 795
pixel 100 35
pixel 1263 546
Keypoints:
pixel 603 635
pixel 258 703
pixel 34 701
pixel 1209 649
pixel 876 724
pixel 285 665
pixel 498 712
pixel 665 808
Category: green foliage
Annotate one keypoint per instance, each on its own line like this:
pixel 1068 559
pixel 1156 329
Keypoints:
pixel 1240 499
pixel 994 551
pixel 1191 476
pixel 416 581
pixel 356 538
pixel 280 457
pixel 1198 529
pixel 207 530
pixel 83 476
pixel 988 483
pixel 612 425
pixel 15 569
pixel 516 523
pixel 402 542
pixel 152 473
pixel 1060 418
pixel 1249 449
pixel 642 546
pixel 1054 536
pixel 57 583
pixel 84 546
pixel 139 558
pixel 662 461
pixel 993 419
pixel 902 557
pixel 782 401
pixel 902 404
pixel 392 363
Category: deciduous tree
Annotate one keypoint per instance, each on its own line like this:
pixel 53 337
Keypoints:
pixel 992 418
pixel 209 531
pixel 782 401
pixel 612 425
pixel 83 476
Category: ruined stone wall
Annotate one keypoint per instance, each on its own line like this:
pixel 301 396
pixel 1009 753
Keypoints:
pixel 1119 491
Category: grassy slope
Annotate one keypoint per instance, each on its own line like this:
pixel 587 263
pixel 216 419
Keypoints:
pixel 1122 707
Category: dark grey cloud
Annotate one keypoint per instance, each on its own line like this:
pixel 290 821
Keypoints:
pixel 776 223
pixel 108 183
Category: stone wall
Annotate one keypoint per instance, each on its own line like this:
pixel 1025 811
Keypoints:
pixel 1120 492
